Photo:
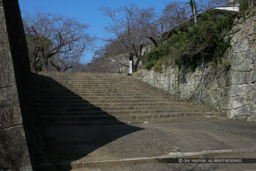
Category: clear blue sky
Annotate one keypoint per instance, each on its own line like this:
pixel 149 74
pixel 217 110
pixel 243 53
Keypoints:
pixel 87 12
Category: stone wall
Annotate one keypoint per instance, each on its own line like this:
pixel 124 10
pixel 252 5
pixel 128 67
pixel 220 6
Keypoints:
pixel 231 92
pixel 14 89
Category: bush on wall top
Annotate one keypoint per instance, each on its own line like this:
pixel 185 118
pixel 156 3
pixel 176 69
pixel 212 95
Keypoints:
pixel 190 44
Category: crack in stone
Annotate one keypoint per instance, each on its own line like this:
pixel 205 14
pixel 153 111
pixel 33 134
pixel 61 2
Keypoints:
pixel 7 86
pixel 11 127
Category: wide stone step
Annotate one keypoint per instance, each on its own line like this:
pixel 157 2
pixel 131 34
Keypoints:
pixel 102 114
pixel 121 119
pixel 105 93
pixel 52 89
pixel 100 93
pixel 105 100
pixel 135 102
pixel 110 103
pixel 118 105
pixel 114 112
pixel 114 107
pixel 123 107
pixel 99 98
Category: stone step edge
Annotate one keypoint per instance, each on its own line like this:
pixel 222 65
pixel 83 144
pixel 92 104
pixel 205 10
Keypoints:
pixel 137 115
pixel 118 110
pixel 169 158
pixel 138 121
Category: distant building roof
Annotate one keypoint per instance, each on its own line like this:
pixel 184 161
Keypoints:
pixel 232 5
pixel 228 8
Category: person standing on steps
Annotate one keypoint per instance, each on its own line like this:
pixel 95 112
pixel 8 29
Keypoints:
pixel 130 63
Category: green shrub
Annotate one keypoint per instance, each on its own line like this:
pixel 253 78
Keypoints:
pixel 190 44
pixel 157 68
pixel 155 55
pixel 226 65
pixel 244 5
pixel 39 67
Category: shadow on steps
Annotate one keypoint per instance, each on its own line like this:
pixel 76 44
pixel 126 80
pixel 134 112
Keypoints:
pixel 64 137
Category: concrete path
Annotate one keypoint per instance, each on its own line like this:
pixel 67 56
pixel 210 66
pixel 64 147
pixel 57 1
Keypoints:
pixel 149 146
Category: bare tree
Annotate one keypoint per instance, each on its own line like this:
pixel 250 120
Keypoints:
pixel 58 39
pixel 205 5
pixel 174 14
pixel 101 63
pixel 130 27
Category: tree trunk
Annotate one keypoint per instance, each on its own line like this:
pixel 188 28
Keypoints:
pixel 193 7
pixel 135 65
pixel 33 66
pixel 45 64
pixel 58 68
pixel 250 3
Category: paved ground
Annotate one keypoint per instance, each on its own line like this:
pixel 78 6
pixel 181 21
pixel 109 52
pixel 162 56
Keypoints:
pixel 149 146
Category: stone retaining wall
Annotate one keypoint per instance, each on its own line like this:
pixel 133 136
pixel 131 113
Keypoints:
pixel 231 92
pixel 14 89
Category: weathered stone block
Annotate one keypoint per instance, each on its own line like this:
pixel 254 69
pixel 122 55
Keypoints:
pixel 238 77
pixel 251 96
pixel 225 103
pixel 167 83
pixel 6 66
pixel 244 111
pixel 253 53
pixel 3 30
pixel 10 113
pixel 13 155
pixel 252 76
pixel 239 90
pixel 252 117
pixel 217 94
pixel 223 81
pixel 193 80
pixel 225 91
pixel 239 101
pixel 237 58
pixel 252 37
pixel 186 92
pixel 232 114
pixel 244 46
pixel 210 101
pixel 210 82
pixel 245 65
pixel 250 27
pixel 236 37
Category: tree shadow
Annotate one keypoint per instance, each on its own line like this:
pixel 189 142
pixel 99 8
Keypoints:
pixel 68 127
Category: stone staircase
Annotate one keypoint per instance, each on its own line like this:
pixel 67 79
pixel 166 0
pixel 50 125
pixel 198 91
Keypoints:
pixel 83 120
pixel 87 98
